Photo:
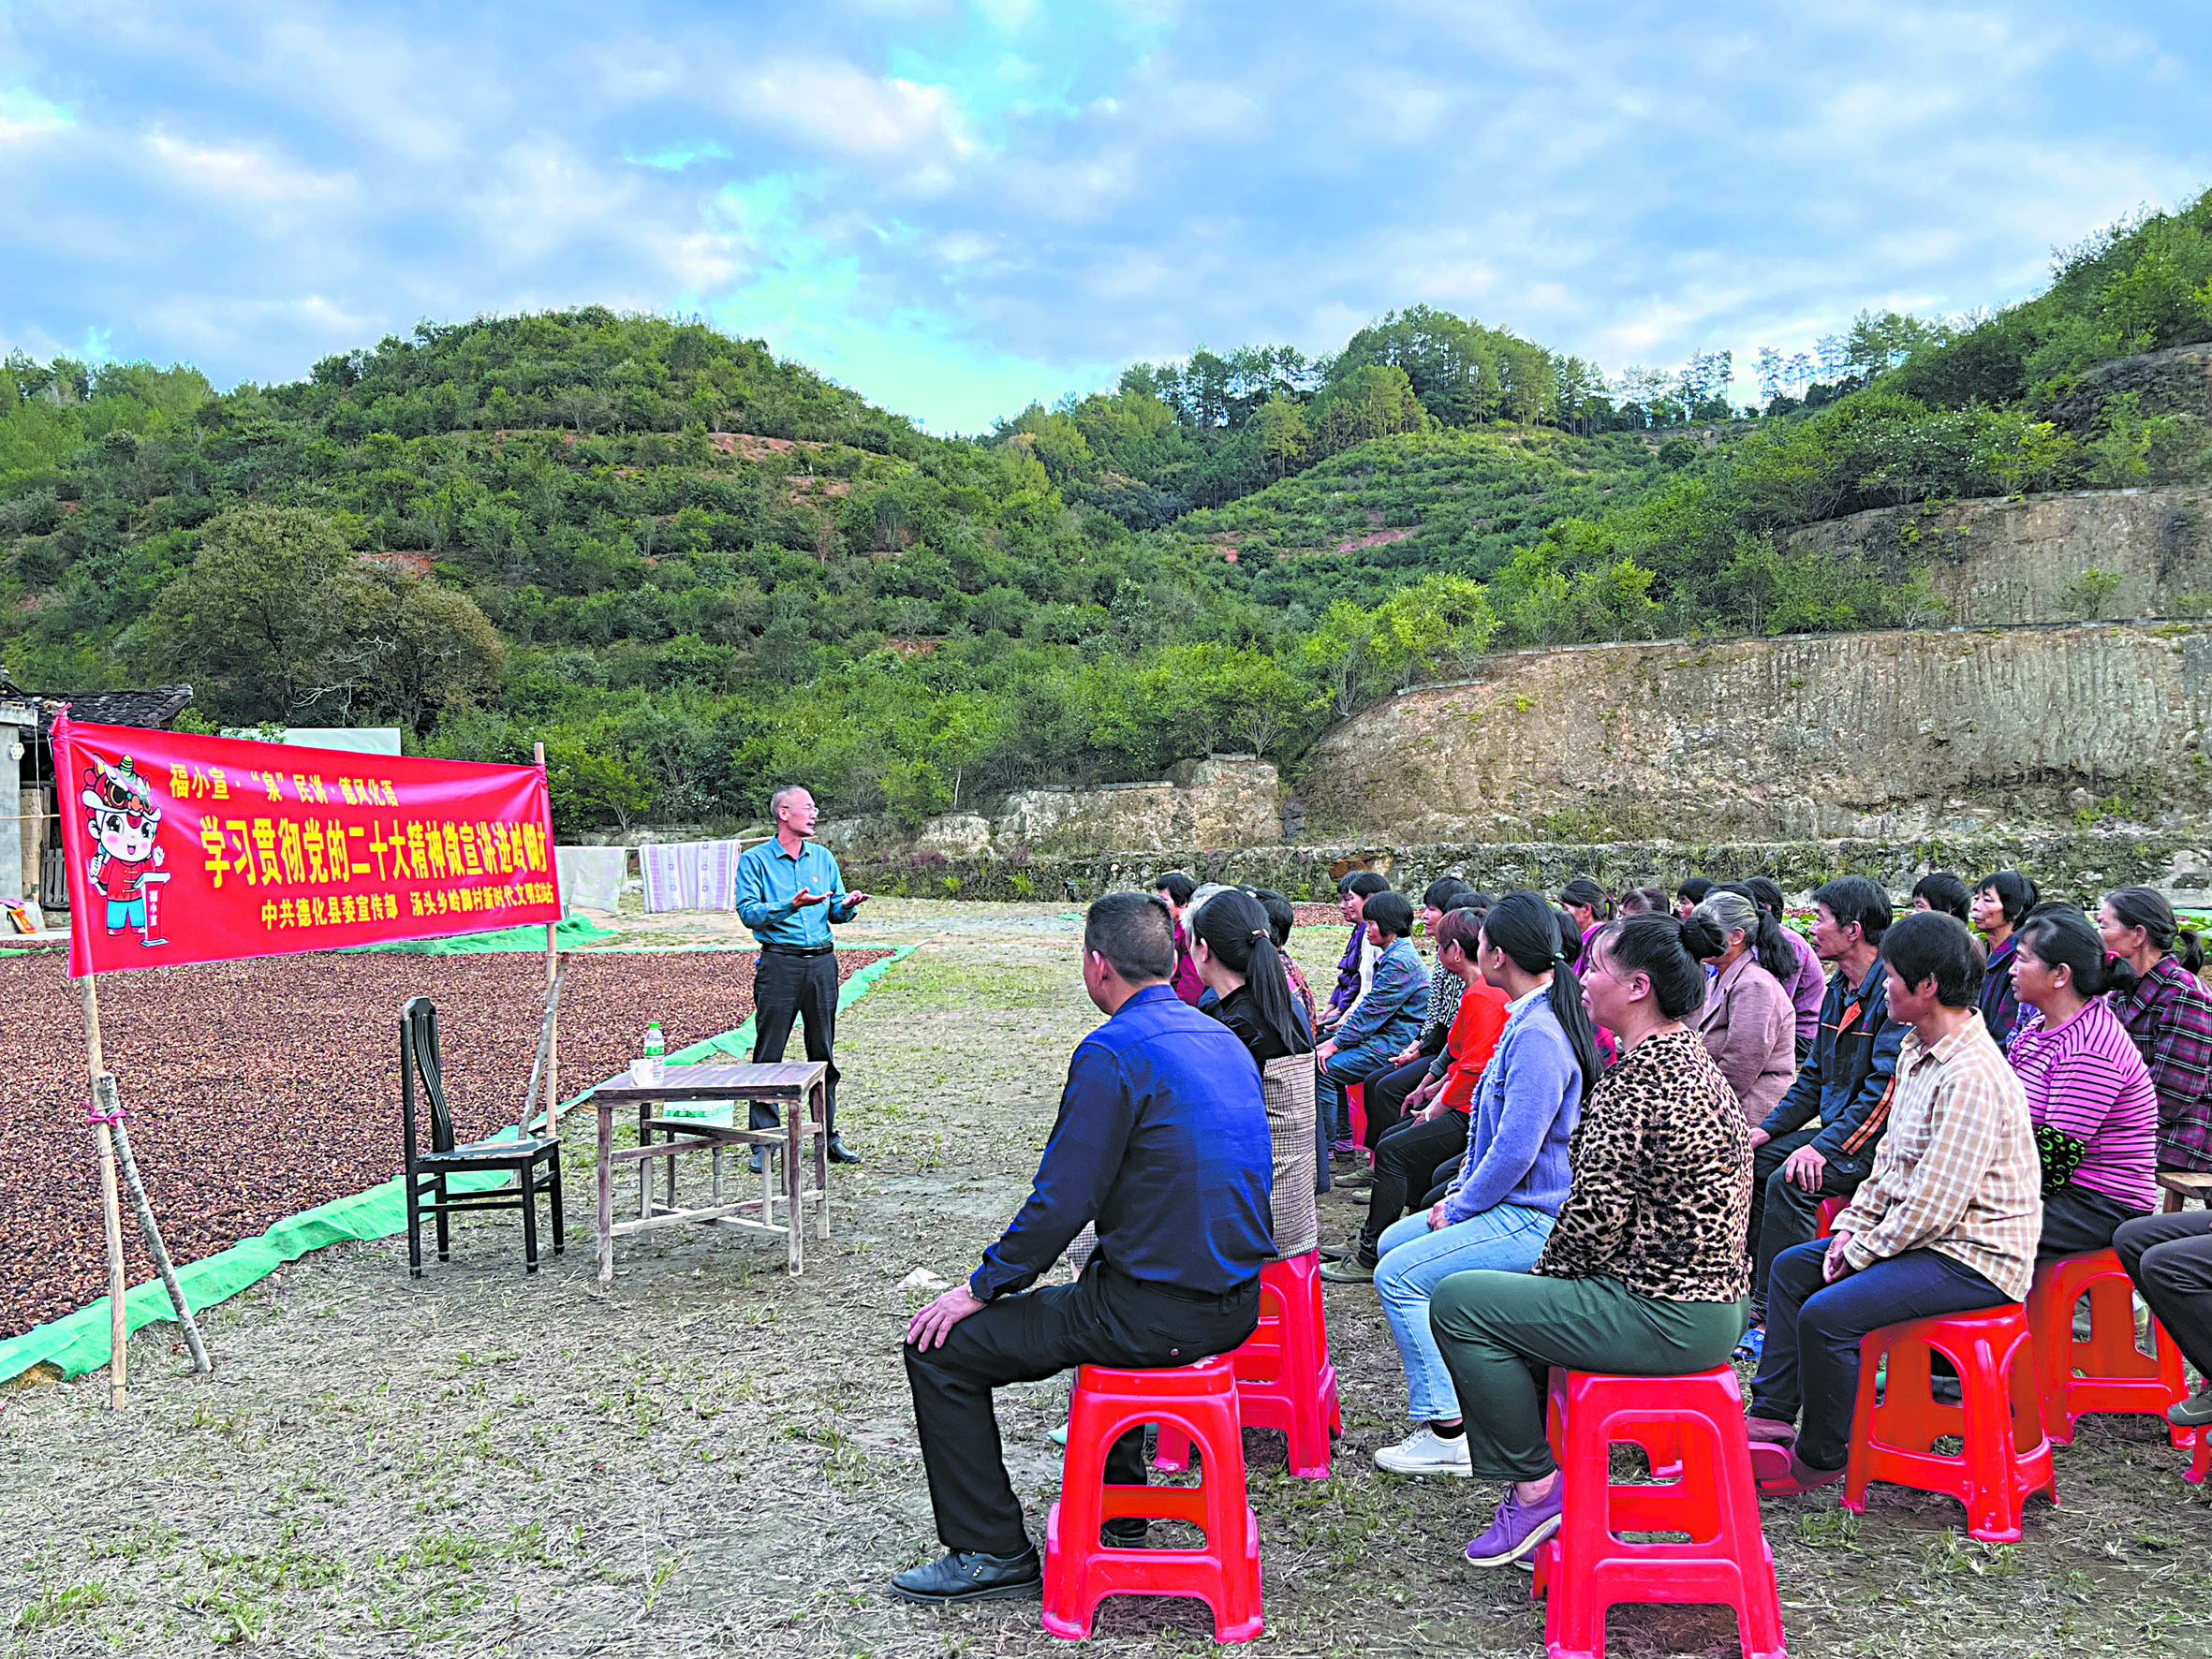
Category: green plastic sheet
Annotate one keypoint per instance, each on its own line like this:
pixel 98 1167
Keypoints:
pixel 78 1343
pixel 574 930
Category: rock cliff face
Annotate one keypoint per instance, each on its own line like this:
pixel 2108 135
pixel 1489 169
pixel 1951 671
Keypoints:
pixel 1882 736
pixel 2175 382
pixel 1221 801
pixel 2010 561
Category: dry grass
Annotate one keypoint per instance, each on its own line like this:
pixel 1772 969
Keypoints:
pixel 714 1458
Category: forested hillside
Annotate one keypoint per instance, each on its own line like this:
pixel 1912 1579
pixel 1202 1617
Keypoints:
pixel 694 571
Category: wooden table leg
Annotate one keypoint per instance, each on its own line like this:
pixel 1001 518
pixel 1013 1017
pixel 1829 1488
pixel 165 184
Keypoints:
pixel 606 1116
pixel 644 1164
pixel 794 1185
pixel 820 1101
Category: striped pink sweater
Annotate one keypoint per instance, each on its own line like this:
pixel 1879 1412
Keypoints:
pixel 2087 1081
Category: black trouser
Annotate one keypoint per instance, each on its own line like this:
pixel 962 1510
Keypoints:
pixel 1103 1319
pixel 1405 1166
pixel 785 987
pixel 1439 1182
pixel 1385 1098
pixel 2170 1258
pixel 1810 1363
pixel 1782 1212
pixel 2078 1220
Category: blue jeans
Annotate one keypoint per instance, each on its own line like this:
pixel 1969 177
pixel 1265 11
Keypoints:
pixel 1811 1357
pixel 1504 1239
pixel 1354 1065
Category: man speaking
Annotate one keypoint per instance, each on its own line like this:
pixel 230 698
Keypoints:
pixel 788 892
pixel 1162 1140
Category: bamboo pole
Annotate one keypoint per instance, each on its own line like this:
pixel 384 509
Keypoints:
pixel 541 1061
pixel 110 1100
pixel 110 1205
pixel 552 1045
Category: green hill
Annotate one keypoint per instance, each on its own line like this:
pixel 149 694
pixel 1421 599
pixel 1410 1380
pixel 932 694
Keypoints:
pixel 694 571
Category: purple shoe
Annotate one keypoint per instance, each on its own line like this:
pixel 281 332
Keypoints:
pixel 1517 1528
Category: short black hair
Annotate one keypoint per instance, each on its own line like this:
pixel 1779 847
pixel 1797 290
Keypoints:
pixel 1943 891
pixel 1177 885
pixel 1391 912
pixel 1134 933
pixel 1438 895
pixel 1933 944
pixel 1363 882
pixel 1854 898
pixel 1281 915
pixel 1694 888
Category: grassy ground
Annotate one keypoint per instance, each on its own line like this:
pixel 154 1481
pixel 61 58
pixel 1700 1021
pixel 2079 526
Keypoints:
pixel 714 1457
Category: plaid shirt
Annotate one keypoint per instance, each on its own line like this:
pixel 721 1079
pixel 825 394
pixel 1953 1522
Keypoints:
pixel 1958 1172
pixel 2170 1016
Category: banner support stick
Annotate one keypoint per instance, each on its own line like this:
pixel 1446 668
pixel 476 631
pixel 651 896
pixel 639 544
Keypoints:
pixel 110 1202
pixel 552 979
pixel 110 1100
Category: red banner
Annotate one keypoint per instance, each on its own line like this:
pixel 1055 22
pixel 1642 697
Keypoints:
pixel 194 849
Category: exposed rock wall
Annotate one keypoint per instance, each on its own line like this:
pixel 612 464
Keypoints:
pixel 1221 801
pixel 2173 382
pixel 1886 736
pixel 2010 561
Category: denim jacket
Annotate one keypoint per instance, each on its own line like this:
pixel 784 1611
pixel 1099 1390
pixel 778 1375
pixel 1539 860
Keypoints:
pixel 1392 1008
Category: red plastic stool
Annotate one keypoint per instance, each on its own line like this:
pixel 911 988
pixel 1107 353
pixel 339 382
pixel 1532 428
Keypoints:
pixel 1824 1217
pixel 1355 1103
pixel 2108 1372
pixel 2006 1455
pixel 1588 1567
pixel 1283 1379
pixel 2200 1465
pixel 1199 1401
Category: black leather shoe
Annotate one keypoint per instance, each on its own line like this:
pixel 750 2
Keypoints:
pixel 839 1153
pixel 1127 1532
pixel 966 1576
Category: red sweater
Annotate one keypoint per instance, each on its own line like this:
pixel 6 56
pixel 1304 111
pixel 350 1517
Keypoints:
pixel 1475 1031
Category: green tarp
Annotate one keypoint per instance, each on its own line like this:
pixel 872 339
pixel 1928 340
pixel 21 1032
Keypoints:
pixel 77 1343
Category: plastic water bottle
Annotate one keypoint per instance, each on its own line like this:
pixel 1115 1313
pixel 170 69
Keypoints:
pixel 657 1049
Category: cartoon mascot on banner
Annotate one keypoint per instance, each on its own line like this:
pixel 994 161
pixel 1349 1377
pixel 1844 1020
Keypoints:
pixel 125 870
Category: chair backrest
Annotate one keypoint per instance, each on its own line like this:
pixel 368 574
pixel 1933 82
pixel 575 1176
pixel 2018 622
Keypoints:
pixel 419 1064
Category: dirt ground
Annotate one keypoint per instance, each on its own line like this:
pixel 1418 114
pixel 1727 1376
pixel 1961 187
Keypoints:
pixel 715 1457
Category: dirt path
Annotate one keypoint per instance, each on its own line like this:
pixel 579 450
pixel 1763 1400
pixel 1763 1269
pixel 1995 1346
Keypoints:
pixel 716 1457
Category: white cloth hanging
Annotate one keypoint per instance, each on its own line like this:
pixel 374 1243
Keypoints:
pixel 592 876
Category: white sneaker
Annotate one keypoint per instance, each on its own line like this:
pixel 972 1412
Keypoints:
pixel 1426 1452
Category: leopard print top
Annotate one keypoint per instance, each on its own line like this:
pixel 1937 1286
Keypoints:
pixel 1661 1168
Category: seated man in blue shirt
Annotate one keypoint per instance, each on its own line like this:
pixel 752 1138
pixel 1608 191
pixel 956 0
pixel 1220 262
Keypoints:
pixel 1162 1140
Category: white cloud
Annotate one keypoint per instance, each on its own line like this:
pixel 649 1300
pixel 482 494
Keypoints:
pixel 839 107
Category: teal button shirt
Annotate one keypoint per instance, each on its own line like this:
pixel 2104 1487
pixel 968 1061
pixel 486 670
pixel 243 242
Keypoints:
pixel 768 878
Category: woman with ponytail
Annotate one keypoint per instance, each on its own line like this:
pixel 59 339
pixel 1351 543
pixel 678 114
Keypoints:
pixel 1232 947
pixel 1498 1211
pixel 2161 1002
pixel 2096 1115
pixel 1645 1273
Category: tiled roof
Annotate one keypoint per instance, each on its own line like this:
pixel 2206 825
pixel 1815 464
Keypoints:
pixel 155 707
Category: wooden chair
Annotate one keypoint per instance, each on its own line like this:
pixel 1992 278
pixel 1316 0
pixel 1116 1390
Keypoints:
pixel 424 1181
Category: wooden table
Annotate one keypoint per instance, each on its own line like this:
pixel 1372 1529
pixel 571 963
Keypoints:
pixel 798 1088
pixel 2181 1185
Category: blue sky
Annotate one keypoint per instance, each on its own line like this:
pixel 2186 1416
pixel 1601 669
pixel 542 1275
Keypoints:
pixel 955 206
